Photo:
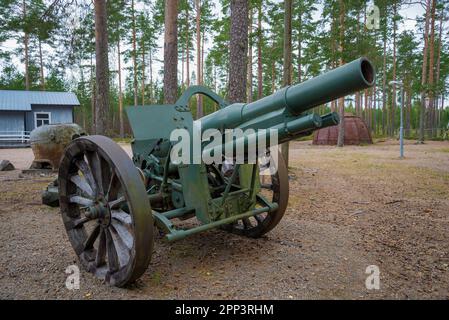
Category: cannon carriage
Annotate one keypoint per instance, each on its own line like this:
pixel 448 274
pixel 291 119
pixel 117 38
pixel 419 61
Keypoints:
pixel 110 203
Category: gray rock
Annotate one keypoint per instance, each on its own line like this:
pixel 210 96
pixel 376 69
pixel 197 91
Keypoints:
pixel 5 165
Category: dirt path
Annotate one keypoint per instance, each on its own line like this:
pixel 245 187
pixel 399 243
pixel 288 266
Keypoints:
pixel 349 209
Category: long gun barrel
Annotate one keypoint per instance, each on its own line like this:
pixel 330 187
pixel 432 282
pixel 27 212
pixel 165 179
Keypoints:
pixel 294 100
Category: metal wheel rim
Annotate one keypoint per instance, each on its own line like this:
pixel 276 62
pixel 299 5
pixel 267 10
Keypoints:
pixel 124 189
pixel 264 223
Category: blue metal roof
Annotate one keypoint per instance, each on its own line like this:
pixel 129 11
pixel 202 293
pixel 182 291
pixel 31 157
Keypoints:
pixel 22 100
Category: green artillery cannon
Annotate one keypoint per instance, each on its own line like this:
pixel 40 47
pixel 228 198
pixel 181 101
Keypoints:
pixel 110 203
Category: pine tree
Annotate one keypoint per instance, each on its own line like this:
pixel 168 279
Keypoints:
pixel 288 67
pixel 238 50
pixel 102 68
pixel 171 51
pixel 424 73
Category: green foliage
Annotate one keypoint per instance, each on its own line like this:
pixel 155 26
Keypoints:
pixel 65 33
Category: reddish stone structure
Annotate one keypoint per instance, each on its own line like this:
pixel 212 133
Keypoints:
pixel 356 132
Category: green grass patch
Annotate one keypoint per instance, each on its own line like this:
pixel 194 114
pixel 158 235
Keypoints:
pixel 156 278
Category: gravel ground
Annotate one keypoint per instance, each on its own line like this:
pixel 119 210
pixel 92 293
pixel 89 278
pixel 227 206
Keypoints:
pixel 349 208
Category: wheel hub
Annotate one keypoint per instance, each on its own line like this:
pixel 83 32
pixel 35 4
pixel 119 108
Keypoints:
pixel 100 211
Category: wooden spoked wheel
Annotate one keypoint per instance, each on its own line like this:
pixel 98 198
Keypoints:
pixel 105 210
pixel 273 187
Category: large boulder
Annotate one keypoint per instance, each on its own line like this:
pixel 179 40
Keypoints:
pixel 48 143
pixel 5 165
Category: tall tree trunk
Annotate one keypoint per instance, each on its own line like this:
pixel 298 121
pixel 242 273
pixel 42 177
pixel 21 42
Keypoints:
pixel 431 69
pixel 409 111
pixel 182 66
pixel 259 52
pixel 366 109
pixel 249 85
pixel 199 110
pixel 92 96
pixel 143 73
pixel 373 108
pixel 333 59
pixel 215 79
pixel 152 100
pixel 287 68
pixel 394 94
pixel 171 52
pixel 102 68
pixel 384 85
pixel 238 51
pixel 187 47
pixel 341 102
pixel 26 43
pixel 442 101
pixel 299 58
pixel 134 52
pixel 365 92
pixel 357 94
pixel 41 62
pixel 120 92
pixel 438 67
pixel 202 58
pixel 424 75
pixel 82 107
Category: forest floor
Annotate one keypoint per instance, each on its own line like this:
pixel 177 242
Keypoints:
pixel 349 208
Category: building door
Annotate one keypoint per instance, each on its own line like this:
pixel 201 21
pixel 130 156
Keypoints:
pixel 42 118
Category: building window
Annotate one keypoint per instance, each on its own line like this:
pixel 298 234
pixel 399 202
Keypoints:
pixel 42 118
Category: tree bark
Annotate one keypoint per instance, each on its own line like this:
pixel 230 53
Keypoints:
pixel 41 62
pixel 182 65
pixel 199 110
pixel 134 53
pixel 187 48
pixel 259 53
pixel 341 102
pixel 438 67
pixel 92 96
pixel 372 109
pixel 424 75
pixel 151 78
pixel 384 85
pixel 409 111
pixel 202 59
pixel 333 59
pixel 366 102
pixel 357 94
pixel 120 92
pixel 287 68
pixel 143 73
pixel 299 59
pixel 249 85
pixel 102 68
pixel 393 98
pixel 26 44
pixel 238 51
pixel 171 52
pixel 430 80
